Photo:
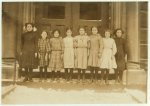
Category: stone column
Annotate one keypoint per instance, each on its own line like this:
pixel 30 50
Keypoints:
pixel 116 15
pixel 133 33
pixel 125 16
pixel 28 12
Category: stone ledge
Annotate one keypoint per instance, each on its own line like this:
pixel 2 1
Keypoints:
pixel 7 90
pixel 135 76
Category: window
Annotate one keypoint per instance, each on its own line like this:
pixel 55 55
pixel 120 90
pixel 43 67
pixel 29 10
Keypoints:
pixel 144 6
pixel 143 36
pixel 143 19
pixel 90 11
pixel 54 11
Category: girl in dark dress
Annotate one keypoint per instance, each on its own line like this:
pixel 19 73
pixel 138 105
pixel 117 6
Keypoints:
pixel 28 51
pixel 120 55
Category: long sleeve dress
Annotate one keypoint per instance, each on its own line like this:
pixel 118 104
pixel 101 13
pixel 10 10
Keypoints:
pixel 56 45
pixel 43 48
pixel 29 48
pixel 108 55
pixel 96 48
pixel 68 52
pixel 82 46
pixel 121 52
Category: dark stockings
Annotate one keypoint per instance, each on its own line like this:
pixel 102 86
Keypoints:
pixel 83 74
pixel 58 74
pixel 118 75
pixel 106 73
pixel 43 74
pixel 107 76
pixel 94 73
pixel 79 74
pixel 68 75
pixel 28 74
pixel 53 75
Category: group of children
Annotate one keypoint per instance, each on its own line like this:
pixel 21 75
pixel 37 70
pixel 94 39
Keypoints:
pixel 81 52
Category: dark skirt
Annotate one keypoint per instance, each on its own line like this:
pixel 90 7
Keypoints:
pixel 120 60
pixel 28 60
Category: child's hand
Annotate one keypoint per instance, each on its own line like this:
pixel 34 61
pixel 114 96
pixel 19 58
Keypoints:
pixel 99 55
pixel 88 54
pixel 34 29
pixel 39 55
pixel 35 55
pixel 20 53
pixel 46 57
pixel 126 58
pixel 62 56
pixel 75 56
pixel 49 56
pixel 112 57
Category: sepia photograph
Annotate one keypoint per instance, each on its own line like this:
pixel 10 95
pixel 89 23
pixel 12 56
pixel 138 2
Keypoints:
pixel 74 52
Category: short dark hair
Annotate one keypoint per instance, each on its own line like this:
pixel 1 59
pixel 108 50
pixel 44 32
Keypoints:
pixel 68 28
pixel 42 32
pixel 81 27
pixel 115 31
pixel 108 30
pixel 55 31
pixel 26 24
pixel 45 31
pixel 94 27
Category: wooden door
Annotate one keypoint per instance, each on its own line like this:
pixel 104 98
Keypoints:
pixel 50 16
pixel 90 14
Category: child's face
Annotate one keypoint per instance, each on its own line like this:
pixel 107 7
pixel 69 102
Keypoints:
pixel 69 32
pixel 56 34
pixel 44 35
pixel 107 34
pixel 119 33
pixel 81 31
pixel 94 30
pixel 29 27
